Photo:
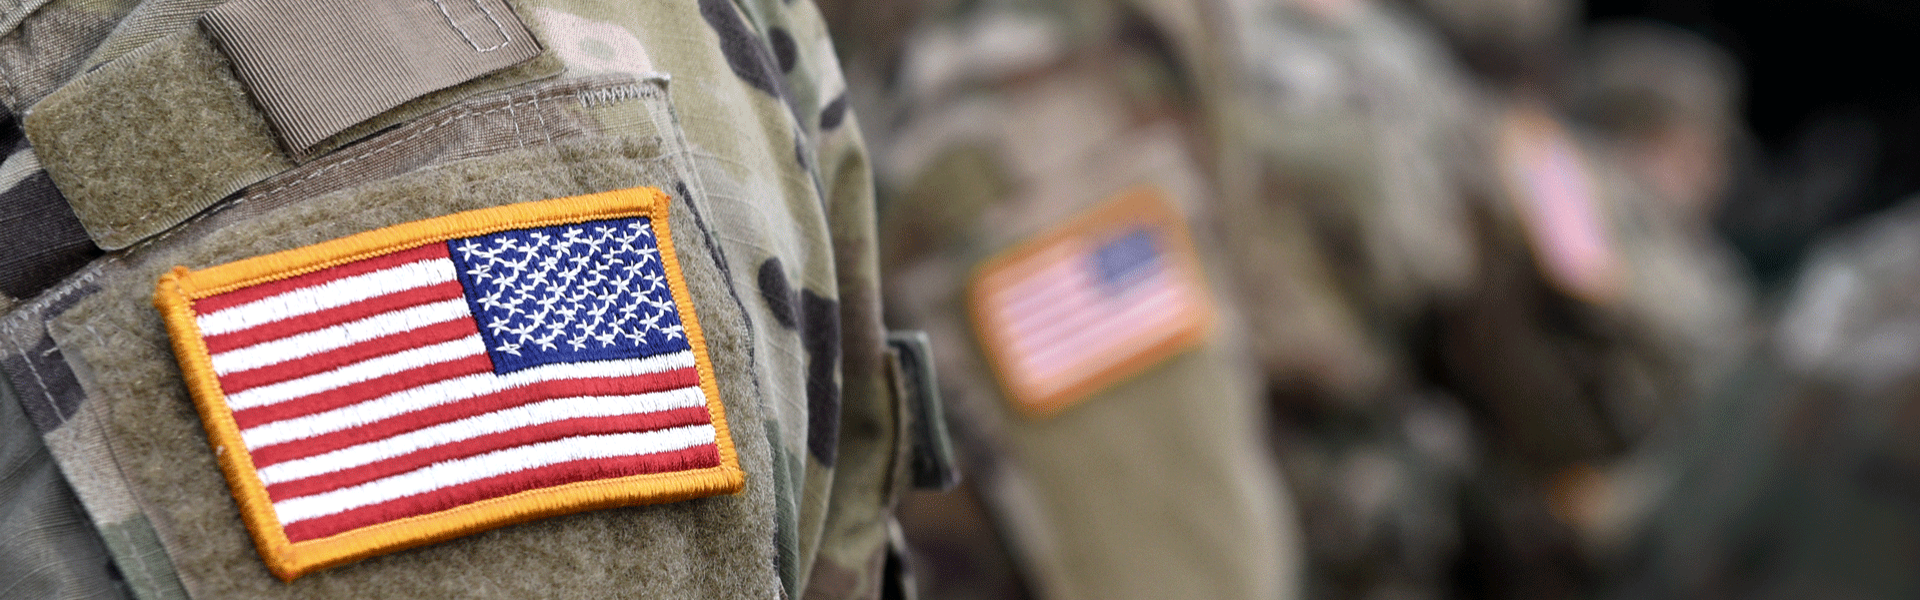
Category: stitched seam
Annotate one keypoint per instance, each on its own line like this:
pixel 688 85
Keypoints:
pixel 502 29
pixel 13 339
pixel 514 118
pixel 615 95
pixel 35 371
pixel 540 114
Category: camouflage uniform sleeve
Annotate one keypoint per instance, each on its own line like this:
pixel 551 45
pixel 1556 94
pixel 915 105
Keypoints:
pixel 776 225
pixel 854 537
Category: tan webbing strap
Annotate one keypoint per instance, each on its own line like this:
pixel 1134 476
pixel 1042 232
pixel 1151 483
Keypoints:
pixel 317 68
pixel 154 137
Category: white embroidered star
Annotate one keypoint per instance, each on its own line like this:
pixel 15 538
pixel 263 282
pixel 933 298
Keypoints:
pixel 492 301
pixel 546 342
pixel 469 249
pixel 539 318
pixel 479 272
pixel 525 332
pixel 636 334
pixel 498 326
pixel 651 322
pixel 662 304
pixel 509 348
pixel 593 243
pixel 600 312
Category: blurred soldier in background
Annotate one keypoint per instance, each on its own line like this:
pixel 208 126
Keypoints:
pixel 1798 479
pixel 1015 125
pixel 1662 108
pixel 1606 306
pixel 1340 130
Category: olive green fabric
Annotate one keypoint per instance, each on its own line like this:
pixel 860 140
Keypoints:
pixel 1341 128
pixel 36 55
pixel 74 432
pixel 103 139
pixel 147 22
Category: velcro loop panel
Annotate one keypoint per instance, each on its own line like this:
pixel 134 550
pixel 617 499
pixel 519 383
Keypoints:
pixel 317 68
pixel 151 139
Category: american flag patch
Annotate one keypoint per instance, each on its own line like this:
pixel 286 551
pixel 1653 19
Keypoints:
pixel 1091 303
pixel 443 377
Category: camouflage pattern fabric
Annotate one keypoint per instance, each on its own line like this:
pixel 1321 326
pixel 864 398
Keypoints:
pixel 752 130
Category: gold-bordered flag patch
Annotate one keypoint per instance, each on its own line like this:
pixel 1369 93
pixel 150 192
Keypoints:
pixel 438 378
pixel 1091 303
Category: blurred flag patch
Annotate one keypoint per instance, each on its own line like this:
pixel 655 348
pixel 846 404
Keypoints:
pixel 1092 302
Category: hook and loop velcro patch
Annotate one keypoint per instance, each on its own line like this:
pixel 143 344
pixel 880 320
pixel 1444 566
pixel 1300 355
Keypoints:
pixel 442 377
pixel 1092 302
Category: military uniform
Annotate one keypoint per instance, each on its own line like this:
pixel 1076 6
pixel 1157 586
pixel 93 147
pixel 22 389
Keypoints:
pixel 1795 478
pixel 1781 480
pixel 1607 310
pixel 1341 130
pixel 1013 124
pixel 162 134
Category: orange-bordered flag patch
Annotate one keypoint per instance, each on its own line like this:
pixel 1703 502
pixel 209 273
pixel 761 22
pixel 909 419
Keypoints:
pixel 443 377
pixel 1091 303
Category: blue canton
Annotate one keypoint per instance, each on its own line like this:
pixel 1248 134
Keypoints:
pixel 568 293
pixel 1125 260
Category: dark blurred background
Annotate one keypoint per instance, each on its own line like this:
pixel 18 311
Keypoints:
pixel 1830 101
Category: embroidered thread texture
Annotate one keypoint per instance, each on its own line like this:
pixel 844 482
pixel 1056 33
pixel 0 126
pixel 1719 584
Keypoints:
pixel 391 387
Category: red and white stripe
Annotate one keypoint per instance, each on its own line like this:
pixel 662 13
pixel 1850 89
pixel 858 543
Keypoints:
pixel 1060 327
pixel 364 394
